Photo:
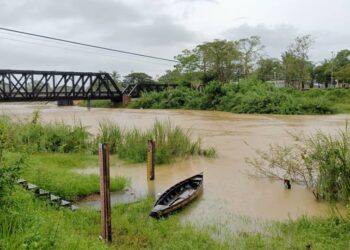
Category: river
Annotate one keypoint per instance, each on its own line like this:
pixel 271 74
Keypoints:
pixel 228 190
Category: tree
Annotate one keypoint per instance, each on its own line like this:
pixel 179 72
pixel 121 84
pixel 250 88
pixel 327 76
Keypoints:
pixel 295 62
pixel 217 60
pixel 250 49
pixel 343 74
pixel 116 76
pixel 138 78
pixel 269 69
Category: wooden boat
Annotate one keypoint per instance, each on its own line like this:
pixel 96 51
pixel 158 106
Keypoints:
pixel 178 196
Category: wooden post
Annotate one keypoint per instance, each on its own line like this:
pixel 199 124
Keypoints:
pixel 105 192
pixel 150 160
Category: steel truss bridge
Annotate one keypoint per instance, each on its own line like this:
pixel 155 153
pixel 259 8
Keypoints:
pixel 29 85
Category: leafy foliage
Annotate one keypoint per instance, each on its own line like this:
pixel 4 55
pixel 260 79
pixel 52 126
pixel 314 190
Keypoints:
pixel 321 162
pixel 248 96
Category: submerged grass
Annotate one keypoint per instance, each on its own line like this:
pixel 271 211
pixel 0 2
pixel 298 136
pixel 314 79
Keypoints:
pixel 131 145
pixel 55 172
pixel 33 136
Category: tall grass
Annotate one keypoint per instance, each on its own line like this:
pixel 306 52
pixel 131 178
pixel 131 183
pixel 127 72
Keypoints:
pixel 321 162
pixel 131 145
pixel 33 136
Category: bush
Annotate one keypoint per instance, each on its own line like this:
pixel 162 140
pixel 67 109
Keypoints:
pixel 247 96
pixel 321 162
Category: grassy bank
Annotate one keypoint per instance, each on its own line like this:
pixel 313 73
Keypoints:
pixel 56 172
pixel 249 96
pixel 28 223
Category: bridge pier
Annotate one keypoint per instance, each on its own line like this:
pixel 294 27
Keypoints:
pixel 66 102
pixel 126 99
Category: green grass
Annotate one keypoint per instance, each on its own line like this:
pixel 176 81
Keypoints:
pixel 34 136
pixel 31 224
pixel 54 172
pixel 27 222
pixel 131 145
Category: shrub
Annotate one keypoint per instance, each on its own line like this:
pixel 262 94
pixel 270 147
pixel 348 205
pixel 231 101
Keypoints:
pixel 321 162
pixel 247 96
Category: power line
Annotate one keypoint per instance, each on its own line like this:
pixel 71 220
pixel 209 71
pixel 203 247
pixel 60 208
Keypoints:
pixel 77 50
pixel 88 45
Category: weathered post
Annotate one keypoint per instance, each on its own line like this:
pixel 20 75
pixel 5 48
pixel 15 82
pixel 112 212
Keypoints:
pixel 150 160
pixel 105 192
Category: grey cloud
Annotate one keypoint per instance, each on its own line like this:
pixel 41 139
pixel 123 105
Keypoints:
pixel 276 39
pixel 102 20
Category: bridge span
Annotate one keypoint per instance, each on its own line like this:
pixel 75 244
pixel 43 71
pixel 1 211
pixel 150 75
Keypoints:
pixel 31 85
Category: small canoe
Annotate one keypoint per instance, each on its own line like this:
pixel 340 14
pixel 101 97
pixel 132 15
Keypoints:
pixel 178 196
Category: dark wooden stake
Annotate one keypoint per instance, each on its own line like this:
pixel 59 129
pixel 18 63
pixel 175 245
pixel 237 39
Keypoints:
pixel 150 160
pixel 105 193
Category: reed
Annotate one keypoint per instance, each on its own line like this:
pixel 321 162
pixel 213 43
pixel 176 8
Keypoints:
pixel 33 136
pixel 171 142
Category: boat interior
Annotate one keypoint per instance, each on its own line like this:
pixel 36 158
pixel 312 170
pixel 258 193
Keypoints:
pixel 181 192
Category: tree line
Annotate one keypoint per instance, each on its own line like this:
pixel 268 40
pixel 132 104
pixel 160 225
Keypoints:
pixel 228 61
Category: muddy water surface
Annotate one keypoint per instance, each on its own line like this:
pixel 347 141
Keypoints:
pixel 229 192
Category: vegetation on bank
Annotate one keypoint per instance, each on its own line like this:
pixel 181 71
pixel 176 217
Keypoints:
pixel 248 96
pixel 321 162
pixel 170 141
pixel 56 172
pixel 36 137
pixel 29 223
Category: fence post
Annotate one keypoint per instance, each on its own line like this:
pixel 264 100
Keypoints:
pixel 105 192
pixel 150 160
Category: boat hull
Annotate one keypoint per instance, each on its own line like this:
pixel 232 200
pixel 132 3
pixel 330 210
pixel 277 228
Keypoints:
pixel 162 208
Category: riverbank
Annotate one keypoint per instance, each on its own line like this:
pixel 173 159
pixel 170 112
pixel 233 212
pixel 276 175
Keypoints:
pixel 248 97
pixel 228 189
pixel 31 224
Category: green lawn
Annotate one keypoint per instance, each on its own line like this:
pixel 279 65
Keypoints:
pixel 55 172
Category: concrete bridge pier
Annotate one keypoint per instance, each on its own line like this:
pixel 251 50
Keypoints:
pixel 65 102
pixel 126 99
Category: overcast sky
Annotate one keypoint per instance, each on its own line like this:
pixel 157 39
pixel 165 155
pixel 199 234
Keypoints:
pixel 160 28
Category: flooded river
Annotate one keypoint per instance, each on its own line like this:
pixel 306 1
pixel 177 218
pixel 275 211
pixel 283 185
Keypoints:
pixel 228 191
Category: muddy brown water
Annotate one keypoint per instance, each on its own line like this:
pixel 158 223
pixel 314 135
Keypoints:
pixel 228 190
